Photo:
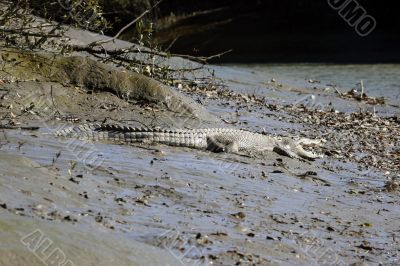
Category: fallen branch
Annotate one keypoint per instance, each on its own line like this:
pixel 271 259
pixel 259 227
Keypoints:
pixel 136 50
pixel 18 127
pixel 119 55
pixel 33 34
pixel 202 59
pixel 362 89
pixel 337 90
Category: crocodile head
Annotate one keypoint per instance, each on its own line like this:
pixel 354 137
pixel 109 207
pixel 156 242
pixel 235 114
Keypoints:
pixel 294 148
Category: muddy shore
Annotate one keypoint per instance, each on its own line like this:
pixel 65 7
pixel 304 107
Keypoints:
pixel 103 203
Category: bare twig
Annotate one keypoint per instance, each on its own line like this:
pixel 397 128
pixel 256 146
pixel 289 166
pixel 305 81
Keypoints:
pixel 171 44
pixel 119 55
pixel 337 90
pixel 51 94
pixel 52 100
pixel 33 34
pixel 135 49
pixel 18 127
pixel 41 26
pixel 198 59
pixel 44 38
pixel 362 89
pixel 230 122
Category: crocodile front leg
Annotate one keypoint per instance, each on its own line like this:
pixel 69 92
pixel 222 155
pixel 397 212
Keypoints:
pixel 285 152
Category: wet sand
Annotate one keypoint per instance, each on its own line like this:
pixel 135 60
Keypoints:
pixel 207 207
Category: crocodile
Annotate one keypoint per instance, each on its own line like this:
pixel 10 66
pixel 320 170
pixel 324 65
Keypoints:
pixel 213 139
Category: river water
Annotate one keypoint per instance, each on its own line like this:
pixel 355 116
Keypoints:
pixel 379 79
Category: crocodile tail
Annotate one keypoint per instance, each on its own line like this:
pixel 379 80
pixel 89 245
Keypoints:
pixel 125 129
pixel 84 129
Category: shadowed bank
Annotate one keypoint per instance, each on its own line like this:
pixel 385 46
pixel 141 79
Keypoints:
pixel 283 31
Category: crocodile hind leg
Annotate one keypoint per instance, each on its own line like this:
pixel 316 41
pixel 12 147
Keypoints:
pixel 285 152
pixel 217 145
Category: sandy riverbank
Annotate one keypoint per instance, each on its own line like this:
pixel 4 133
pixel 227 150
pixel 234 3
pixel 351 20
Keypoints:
pixel 193 206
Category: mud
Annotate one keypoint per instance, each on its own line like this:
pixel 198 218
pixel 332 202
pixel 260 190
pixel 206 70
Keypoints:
pixel 95 76
pixel 158 205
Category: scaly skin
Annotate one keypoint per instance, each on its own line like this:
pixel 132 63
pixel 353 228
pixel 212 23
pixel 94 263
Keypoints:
pixel 213 139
